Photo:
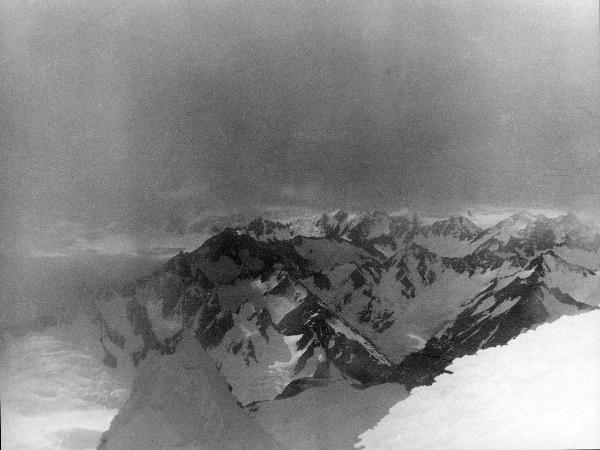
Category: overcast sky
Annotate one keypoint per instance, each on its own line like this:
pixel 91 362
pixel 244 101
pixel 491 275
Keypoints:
pixel 128 111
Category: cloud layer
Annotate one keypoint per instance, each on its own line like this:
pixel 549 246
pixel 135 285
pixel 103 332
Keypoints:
pixel 137 110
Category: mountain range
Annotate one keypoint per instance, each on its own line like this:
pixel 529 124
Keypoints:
pixel 358 299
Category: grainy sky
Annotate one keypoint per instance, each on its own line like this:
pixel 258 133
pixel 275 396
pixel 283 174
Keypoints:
pixel 128 111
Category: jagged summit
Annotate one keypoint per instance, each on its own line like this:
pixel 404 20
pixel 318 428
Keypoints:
pixel 458 227
pixel 549 261
pixel 375 230
pixel 376 225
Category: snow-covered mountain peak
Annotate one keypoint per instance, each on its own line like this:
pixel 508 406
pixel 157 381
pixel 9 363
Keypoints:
pixel 513 226
pixel 458 227
pixel 525 234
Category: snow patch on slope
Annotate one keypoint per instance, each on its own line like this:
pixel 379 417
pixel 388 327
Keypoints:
pixel 268 368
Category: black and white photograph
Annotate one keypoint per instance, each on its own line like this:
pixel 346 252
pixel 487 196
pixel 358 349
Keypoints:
pixel 299 224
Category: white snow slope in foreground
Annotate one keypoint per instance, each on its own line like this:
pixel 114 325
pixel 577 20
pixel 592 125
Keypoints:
pixel 542 390
pixel 181 401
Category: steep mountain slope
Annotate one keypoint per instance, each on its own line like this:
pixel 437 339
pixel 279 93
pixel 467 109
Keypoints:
pixel 539 391
pixel 403 300
pixel 181 401
pixel 537 294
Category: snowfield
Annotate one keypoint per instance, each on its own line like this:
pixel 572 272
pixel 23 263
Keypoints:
pixel 539 391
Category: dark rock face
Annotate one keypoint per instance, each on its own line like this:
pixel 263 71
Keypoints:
pixel 426 259
pixel 213 323
pixel 568 300
pixel 353 360
pixel 296 321
pixel 488 260
pixel 358 280
pixel 114 336
pixel 169 345
pixel 265 228
pixel 314 322
pixel 403 275
pixel 473 330
pixel 263 321
pixel 366 314
pixel 383 321
pixel 109 359
pixel 201 279
pixel 257 226
pixel 299 385
pixel 191 301
pixel 239 247
pixel 137 315
pixel 245 348
pixel 216 329
pixel 283 284
pixel 322 281
pixel 541 267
